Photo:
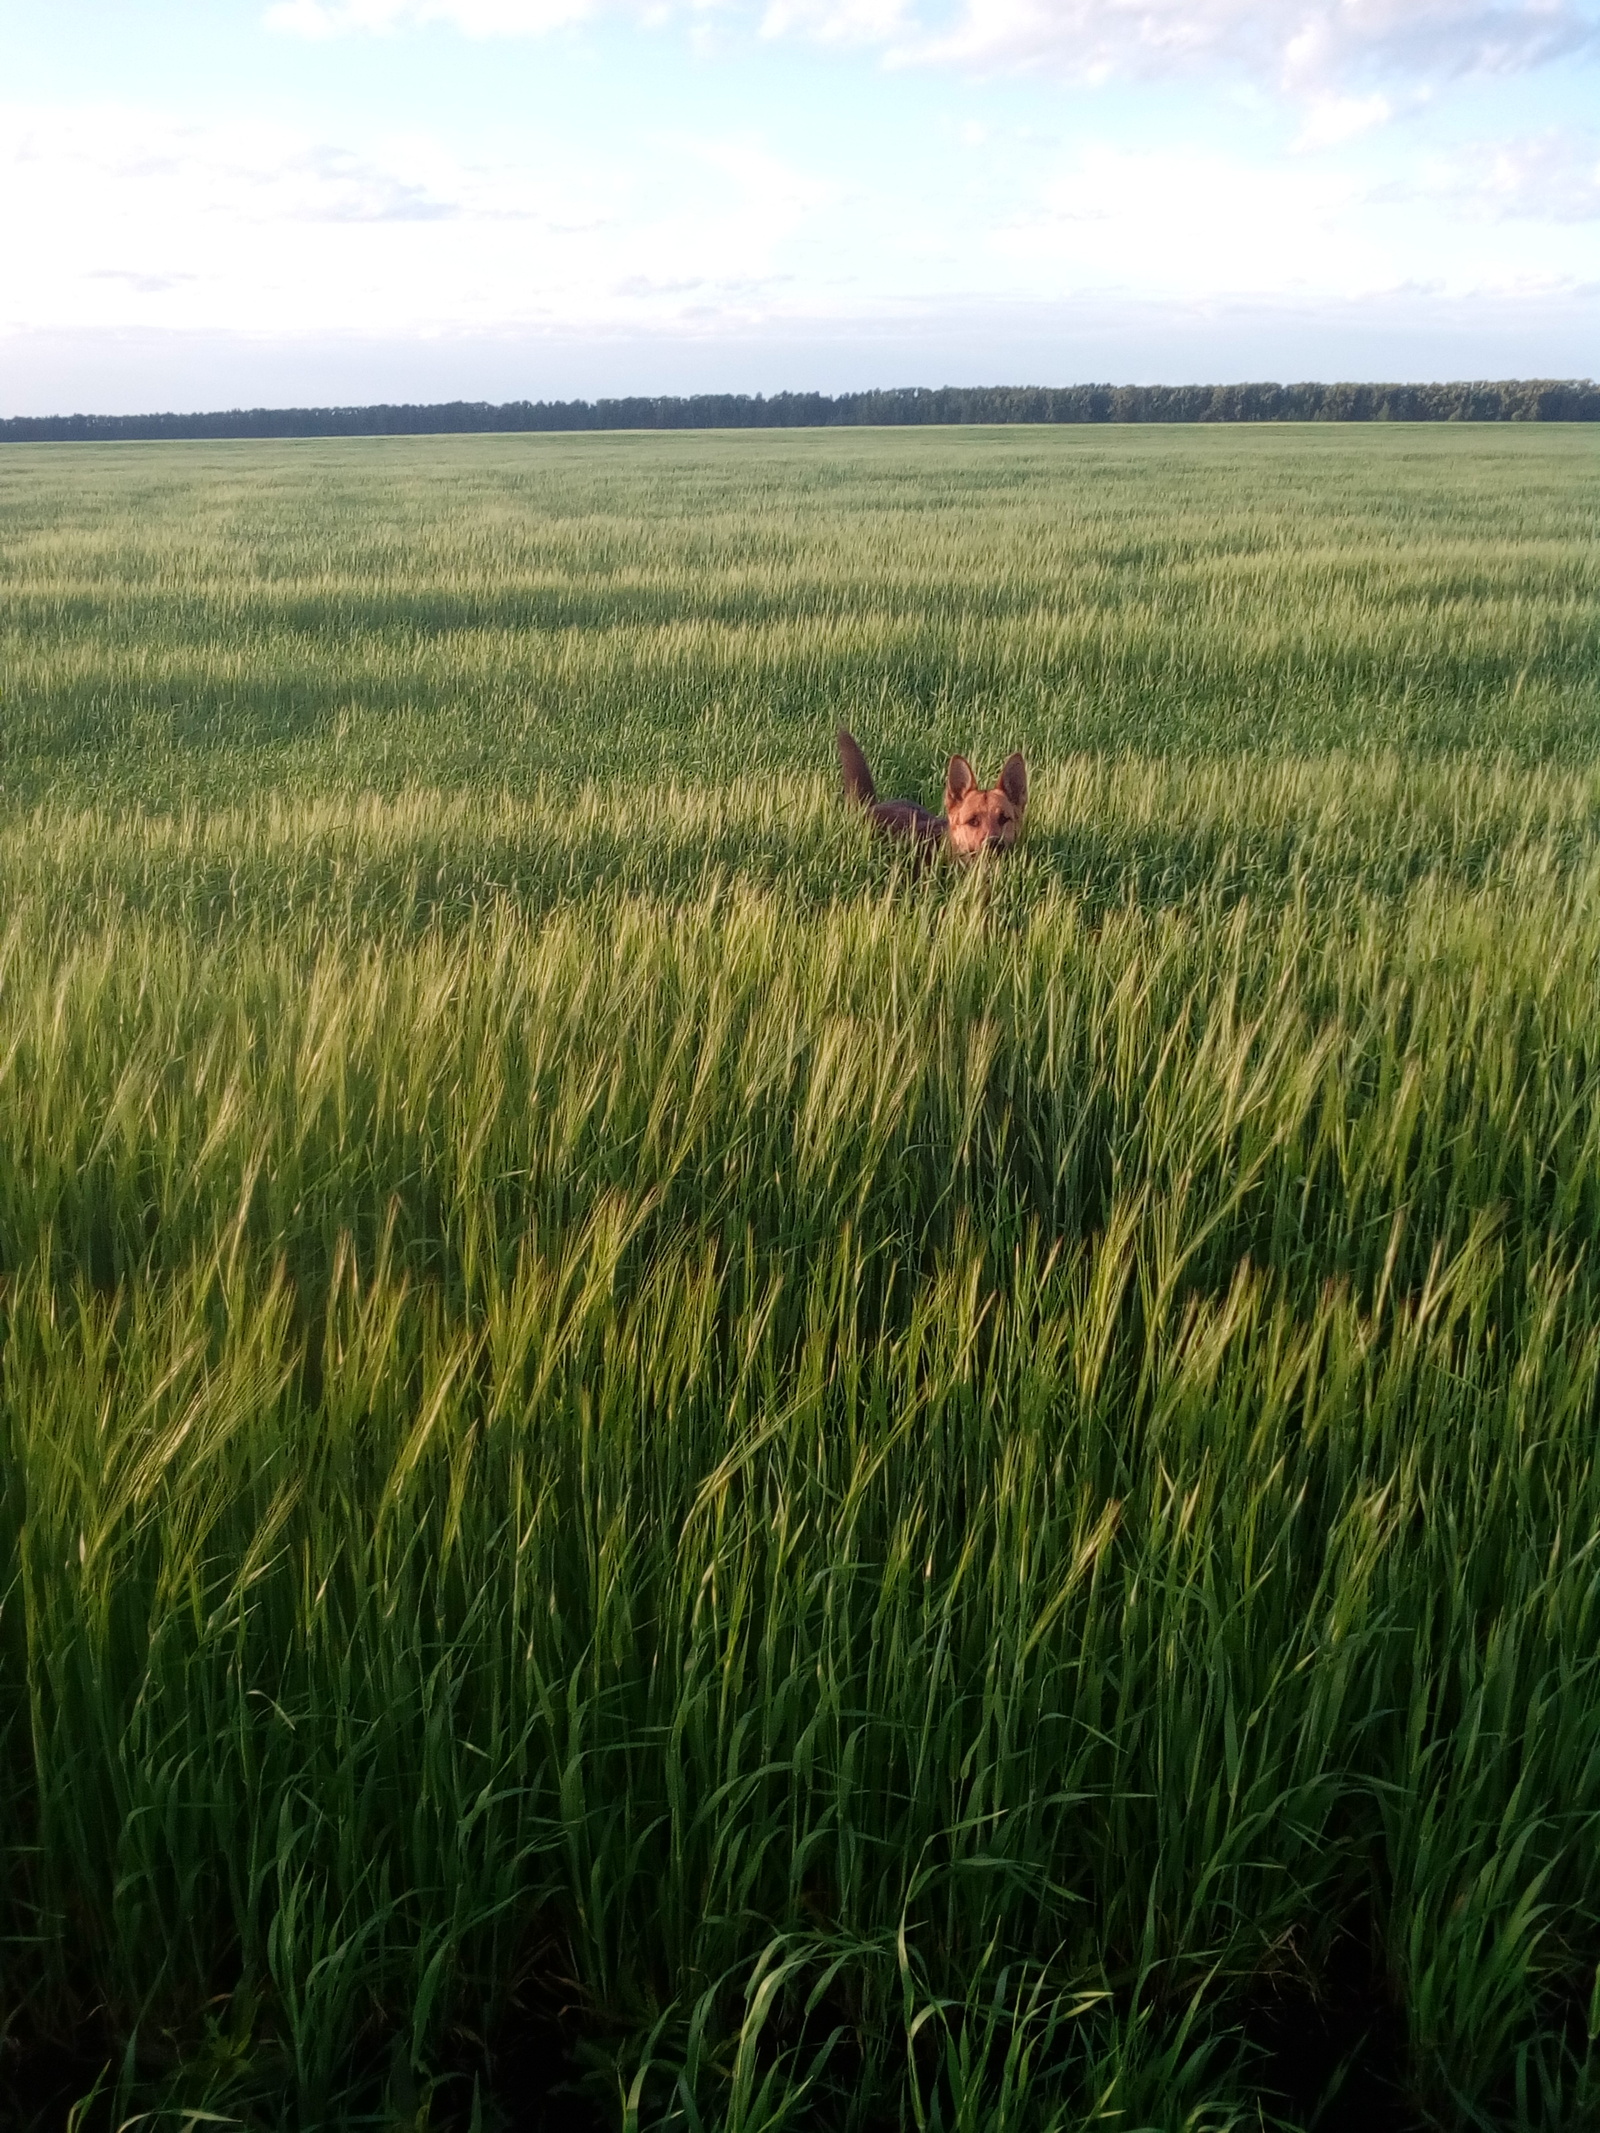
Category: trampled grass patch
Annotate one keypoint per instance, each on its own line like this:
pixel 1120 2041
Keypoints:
pixel 641 1450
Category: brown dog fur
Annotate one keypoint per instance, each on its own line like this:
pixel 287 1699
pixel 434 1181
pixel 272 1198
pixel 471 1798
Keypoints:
pixel 976 818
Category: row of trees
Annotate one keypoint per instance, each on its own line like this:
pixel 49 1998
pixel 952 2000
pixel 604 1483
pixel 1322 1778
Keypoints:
pixel 1510 400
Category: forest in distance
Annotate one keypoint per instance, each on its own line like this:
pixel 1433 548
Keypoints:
pixel 1506 400
pixel 659 1474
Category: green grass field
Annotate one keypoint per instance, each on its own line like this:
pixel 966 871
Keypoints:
pixel 644 1456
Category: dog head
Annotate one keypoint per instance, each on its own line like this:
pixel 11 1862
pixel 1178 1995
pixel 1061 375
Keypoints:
pixel 982 821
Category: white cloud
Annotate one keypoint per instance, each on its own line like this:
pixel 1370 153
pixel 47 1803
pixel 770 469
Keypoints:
pixel 1204 227
pixel 821 21
pixel 1310 47
pixel 474 18
pixel 770 186
pixel 120 220
pixel 137 220
pixel 1552 176
pixel 1431 39
pixel 1195 226
pixel 1331 120
pixel 837 21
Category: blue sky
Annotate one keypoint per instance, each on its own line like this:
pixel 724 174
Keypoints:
pixel 219 202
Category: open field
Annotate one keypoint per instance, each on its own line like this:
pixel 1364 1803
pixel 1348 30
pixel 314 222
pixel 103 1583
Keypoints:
pixel 639 1451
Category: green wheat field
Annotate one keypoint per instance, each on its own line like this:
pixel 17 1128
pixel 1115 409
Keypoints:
pixel 657 1474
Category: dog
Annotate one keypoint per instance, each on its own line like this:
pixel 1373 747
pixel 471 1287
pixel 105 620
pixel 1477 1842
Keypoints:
pixel 975 819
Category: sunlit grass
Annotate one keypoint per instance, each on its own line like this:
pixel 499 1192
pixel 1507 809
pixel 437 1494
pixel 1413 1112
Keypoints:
pixel 904 1498
pixel 503 611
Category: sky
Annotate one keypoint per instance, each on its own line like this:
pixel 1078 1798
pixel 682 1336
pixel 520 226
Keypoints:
pixel 217 203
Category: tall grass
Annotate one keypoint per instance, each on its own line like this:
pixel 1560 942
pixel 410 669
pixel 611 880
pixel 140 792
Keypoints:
pixel 504 611
pixel 637 1448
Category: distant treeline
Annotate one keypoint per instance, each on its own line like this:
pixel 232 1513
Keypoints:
pixel 1510 400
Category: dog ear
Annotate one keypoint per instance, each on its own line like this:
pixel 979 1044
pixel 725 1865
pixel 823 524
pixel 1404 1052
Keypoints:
pixel 858 785
pixel 958 781
pixel 1014 781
